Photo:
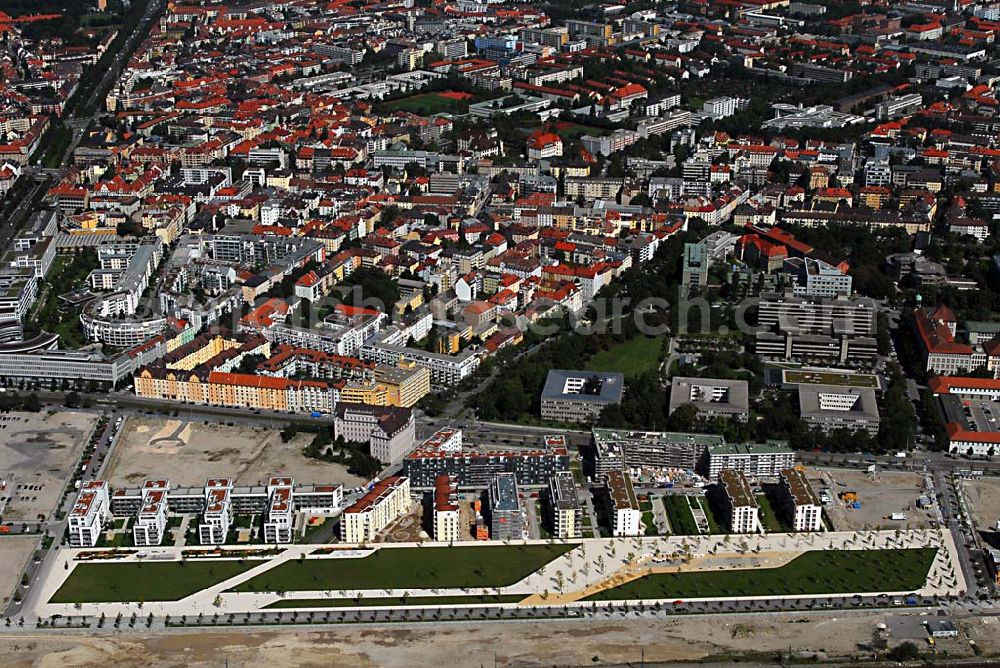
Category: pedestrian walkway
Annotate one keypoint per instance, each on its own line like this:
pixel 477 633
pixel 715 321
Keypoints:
pixel 592 566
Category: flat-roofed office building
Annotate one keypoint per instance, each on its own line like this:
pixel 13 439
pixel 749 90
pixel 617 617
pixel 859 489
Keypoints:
pixel 580 396
pixel 713 397
pixel 832 407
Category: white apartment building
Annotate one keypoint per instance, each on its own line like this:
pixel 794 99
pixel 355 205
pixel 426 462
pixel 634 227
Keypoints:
pixel 617 141
pixel 444 440
pixel 90 513
pixel 878 173
pixel 626 518
pixel 757 460
pixel 801 501
pixel 280 521
pixel 446 515
pixel 217 517
pixel 567 515
pixel 376 510
pixel 720 107
pixel 452 49
pixel 400 159
pixel 972 227
pixel 35 252
pixel 900 105
pixel 739 502
pixel 150 524
pixel 593 188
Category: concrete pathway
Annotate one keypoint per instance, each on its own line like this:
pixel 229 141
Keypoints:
pixel 593 565
pixel 660 516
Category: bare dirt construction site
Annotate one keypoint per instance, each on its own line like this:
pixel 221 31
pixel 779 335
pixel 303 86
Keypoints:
pixel 983 495
pixel 564 643
pixel 189 453
pixel 37 454
pixel 14 553
pixel 886 493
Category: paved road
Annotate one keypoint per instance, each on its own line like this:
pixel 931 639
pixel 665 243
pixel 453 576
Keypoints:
pixel 505 435
pixel 133 405
pixel 153 7
pixel 919 461
pixel 472 614
pixel 13 221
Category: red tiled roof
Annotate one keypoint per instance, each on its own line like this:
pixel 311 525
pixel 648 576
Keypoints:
pixel 936 336
pixel 957 433
pixel 945 384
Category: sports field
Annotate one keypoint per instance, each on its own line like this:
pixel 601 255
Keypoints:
pixel 813 573
pixel 410 568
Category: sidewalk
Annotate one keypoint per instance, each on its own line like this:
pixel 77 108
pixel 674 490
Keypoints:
pixel 595 564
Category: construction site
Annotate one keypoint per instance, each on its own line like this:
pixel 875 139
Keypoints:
pixel 874 499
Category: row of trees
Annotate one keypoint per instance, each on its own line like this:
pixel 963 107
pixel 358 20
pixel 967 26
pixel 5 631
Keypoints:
pixel 12 401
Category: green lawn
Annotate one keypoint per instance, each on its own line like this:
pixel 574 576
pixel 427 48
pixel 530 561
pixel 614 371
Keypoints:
pixel 649 522
pixel 681 520
pixel 427 104
pixel 393 600
pixel 574 130
pixel 411 567
pixel 632 358
pixel 713 522
pixel 648 519
pixel 769 516
pixel 815 573
pixel 152 581
pixel 117 540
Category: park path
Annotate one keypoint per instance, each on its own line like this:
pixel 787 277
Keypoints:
pixel 592 566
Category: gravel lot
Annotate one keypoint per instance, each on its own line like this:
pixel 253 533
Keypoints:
pixel 37 454
pixel 189 453
pixel 984 501
pixel 563 643
pixel 14 553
